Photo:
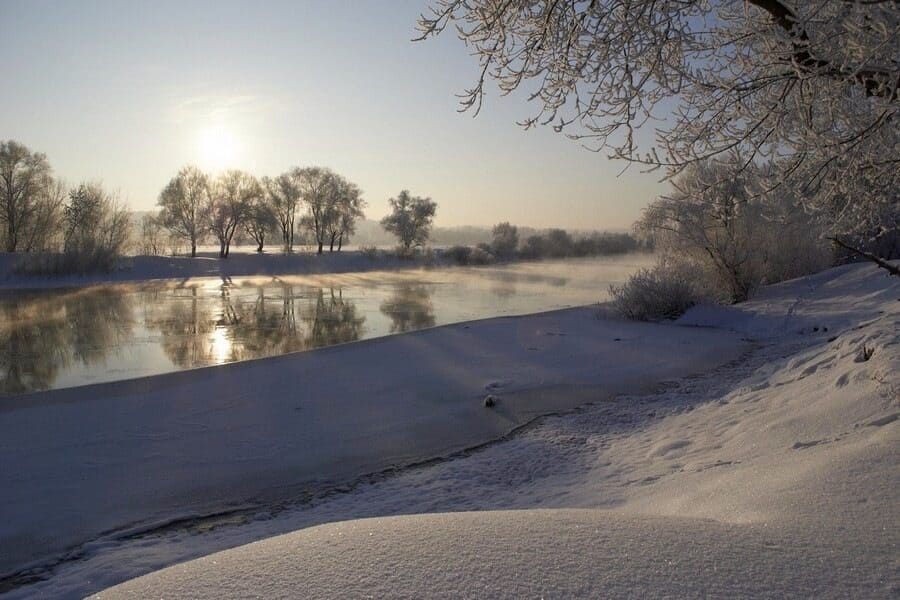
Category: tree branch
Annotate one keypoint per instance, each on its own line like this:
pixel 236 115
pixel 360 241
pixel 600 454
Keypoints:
pixel 876 82
pixel 869 256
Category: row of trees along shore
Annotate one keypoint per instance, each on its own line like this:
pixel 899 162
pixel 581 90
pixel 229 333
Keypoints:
pixel 194 205
pixel 91 227
pixel 86 228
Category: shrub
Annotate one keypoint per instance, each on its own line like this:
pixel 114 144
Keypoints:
pixel 458 254
pixel 664 292
pixel 96 233
pixel 534 247
pixel 370 252
pixel 480 256
pixel 404 253
pixel 67 263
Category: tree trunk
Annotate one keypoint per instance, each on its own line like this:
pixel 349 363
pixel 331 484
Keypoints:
pixel 11 235
pixel 320 247
pixel 331 247
pixel 193 249
pixel 261 240
pixel 340 241
pixel 222 249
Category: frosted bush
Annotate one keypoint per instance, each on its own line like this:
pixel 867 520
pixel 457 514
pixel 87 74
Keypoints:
pixel 480 256
pixel 665 291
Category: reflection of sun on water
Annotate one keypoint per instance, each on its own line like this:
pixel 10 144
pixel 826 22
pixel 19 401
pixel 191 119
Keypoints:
pixel 220 346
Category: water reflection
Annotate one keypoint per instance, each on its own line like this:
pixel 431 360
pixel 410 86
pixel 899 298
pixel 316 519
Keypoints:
pixel 200 329
pixel 60 338
pixel 40 334
pixel 409 308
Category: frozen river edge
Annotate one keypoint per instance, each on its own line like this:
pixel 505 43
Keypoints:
pixel 82 463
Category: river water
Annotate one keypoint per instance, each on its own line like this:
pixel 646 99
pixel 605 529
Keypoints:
pixel 61 338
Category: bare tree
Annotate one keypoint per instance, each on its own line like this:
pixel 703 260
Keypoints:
pixel 347 208
pixel 261 220
pixel 24 182
pixel 410 219
pixel 43 231
pixel 230 199
pixel 185 203
pixel 813 88
pixel 151 242
pixel 318 188
pixel 97 228
pixel 285 197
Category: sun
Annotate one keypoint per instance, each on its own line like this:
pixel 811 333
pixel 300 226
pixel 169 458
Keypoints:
pixel 218 148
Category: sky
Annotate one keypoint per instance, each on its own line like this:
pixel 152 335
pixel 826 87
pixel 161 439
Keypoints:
pixel 126 93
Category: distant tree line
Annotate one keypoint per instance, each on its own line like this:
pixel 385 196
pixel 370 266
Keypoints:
pixel 506 244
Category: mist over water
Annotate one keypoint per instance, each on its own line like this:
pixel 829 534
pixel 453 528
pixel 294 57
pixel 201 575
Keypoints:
pixel 61 338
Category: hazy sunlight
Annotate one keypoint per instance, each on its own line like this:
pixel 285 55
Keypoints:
pixel 218 148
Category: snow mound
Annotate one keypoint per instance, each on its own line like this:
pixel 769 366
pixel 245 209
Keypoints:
pixel 561 553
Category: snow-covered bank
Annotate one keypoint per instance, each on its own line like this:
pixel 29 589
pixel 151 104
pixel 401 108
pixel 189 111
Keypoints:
pixel 773 477
pixel 110 460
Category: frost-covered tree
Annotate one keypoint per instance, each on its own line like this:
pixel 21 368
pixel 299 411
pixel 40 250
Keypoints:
pixel 717 219
pixel 185 202
pixel 151 242
pixel 505 239
pixel 347 209
pixel 261 220
pixel 26 195
pixel 97 228
pixel 285 197
pixel 231 197
pixel 410 219
pixel 333 204
pixel 318 189
pixel 812 88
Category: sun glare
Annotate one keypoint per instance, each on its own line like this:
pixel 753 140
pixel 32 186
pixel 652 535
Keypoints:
pixel 220 346
pixel 218 148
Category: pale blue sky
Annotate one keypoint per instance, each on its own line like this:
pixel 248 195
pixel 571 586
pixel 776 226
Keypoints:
pixel 128 92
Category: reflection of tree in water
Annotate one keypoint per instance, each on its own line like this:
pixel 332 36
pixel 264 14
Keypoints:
pixel 504 287
pixel 41 334
pixel 233 327
pixel 266 326
pixel 183 318
pixel 332 321
pixel 409 308
pixel 300 319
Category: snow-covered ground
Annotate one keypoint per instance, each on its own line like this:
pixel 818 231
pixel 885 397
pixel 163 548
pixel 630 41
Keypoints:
pixel 113 459
pixel 772 475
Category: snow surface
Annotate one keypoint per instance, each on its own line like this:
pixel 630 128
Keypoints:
pixel 774 475
pixel 117 458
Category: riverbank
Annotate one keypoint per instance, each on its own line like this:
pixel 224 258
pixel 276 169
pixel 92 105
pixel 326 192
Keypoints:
pixel 239 264
pixel 109 461
pixel 207 264
pixel 771 476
